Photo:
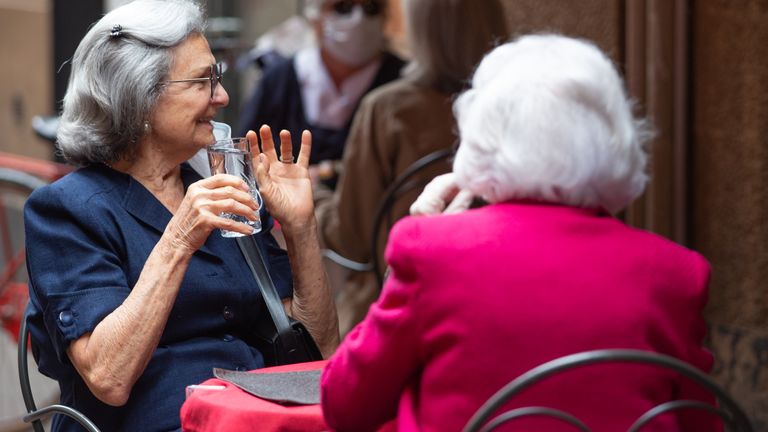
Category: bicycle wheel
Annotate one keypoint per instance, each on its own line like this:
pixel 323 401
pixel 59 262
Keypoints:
pixel 15 187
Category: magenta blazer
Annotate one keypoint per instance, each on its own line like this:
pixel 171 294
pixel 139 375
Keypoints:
pixel 478 298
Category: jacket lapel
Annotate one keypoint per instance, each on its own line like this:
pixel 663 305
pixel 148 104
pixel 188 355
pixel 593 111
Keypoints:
pixel 142 205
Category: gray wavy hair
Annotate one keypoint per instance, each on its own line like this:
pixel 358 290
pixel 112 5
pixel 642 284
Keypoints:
pixel 116 75
pixel 547 118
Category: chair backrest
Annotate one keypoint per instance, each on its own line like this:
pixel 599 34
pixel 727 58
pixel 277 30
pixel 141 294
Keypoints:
pixel 26 388
pixel 728 410
pixel 34 415
pixel 410 179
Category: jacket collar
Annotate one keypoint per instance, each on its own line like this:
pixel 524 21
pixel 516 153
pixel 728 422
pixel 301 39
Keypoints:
pixel 142 205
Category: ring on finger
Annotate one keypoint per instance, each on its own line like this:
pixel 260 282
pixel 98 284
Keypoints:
pixel 286 159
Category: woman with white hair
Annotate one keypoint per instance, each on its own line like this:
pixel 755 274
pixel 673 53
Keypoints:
pixel 475 299
pixel 133 295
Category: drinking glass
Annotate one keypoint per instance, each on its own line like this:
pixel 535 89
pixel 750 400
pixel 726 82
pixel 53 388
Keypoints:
pixel 233 156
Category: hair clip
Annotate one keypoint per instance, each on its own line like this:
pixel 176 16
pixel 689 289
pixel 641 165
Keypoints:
pixel 117 31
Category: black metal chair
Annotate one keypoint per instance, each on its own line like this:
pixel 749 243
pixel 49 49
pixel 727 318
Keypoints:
pixel 35 415
pixel 733 417
pixel 347 263
pixel 410 179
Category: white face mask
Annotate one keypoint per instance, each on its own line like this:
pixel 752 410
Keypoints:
pixel 354 38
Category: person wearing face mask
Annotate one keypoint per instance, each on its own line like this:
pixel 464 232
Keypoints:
pixel 320 88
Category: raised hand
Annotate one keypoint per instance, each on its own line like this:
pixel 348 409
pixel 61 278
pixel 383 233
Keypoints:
pixel 284 185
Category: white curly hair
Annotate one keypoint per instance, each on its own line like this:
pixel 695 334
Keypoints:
pixel 547 118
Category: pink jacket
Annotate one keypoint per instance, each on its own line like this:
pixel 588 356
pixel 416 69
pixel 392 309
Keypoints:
pixel 478 298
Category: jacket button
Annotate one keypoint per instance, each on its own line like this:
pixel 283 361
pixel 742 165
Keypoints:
pixel 66 318
pixel 228 313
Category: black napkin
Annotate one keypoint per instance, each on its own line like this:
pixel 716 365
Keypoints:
pixel 299 387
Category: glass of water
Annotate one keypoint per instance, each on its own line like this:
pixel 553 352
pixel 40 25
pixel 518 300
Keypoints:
pixel 233 156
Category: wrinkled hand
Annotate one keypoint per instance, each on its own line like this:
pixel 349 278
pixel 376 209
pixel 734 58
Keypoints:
pixel 199 211
pixel 285 186
pixel 441 195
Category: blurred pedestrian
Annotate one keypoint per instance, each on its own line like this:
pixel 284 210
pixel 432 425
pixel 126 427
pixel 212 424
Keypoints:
pixel 320 88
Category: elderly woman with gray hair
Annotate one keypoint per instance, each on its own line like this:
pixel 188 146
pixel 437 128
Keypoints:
pixel 132 297
pixel 477 298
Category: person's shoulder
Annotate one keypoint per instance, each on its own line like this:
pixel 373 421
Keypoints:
pixel 389 92
pixel 661 244
pixel 670 257
pixel 79 186
pixel 419 243
pixel 442 231
pixel 280 69
pixel 402 94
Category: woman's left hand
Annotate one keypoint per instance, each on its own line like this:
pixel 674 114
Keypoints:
pixel 287 190
pixel 285 186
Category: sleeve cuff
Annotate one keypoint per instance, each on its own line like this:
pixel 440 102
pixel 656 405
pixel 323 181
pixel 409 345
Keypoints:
pixel 71 315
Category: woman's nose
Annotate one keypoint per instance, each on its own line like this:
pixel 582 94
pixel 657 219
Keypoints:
pixel 220 96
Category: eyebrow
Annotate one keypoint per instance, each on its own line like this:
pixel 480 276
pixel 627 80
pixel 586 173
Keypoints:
pixel 199 71
pixel 202 70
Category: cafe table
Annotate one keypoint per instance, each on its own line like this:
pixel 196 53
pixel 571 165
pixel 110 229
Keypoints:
pixel 217 405
pixel 210 408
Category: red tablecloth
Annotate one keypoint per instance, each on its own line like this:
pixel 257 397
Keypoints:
pixel 233 409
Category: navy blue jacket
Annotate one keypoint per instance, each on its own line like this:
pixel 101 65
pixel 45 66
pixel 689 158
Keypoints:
pixel 88 236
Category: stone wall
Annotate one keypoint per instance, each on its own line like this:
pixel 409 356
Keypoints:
pixel 730 171
pixel 598 20
pixel 25 78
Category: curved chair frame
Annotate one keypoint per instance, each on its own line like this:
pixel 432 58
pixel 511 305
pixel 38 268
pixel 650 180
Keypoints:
pixel 346 262
pixel 35 415
pixel 730 412
pixel 532 412
pixel 402 184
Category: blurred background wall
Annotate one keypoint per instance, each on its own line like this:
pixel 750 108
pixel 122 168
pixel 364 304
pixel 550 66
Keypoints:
pixel 729 208
pixel 697 69
pixel 26 76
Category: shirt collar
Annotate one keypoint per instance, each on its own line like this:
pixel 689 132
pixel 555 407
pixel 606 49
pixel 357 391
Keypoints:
pixel 325 105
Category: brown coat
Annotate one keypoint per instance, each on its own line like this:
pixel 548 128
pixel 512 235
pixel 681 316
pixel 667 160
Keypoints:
pixel 395 125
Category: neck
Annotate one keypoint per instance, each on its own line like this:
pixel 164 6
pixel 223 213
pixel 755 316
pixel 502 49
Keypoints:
pixel 339 71
pixel 156 172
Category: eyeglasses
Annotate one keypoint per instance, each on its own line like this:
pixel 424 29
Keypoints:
pixel 370 7
pixel 216 74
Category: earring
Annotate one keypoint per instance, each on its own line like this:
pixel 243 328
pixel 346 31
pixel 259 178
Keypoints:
pixel 147 127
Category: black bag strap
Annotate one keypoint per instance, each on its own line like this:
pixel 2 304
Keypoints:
pixel 255 261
